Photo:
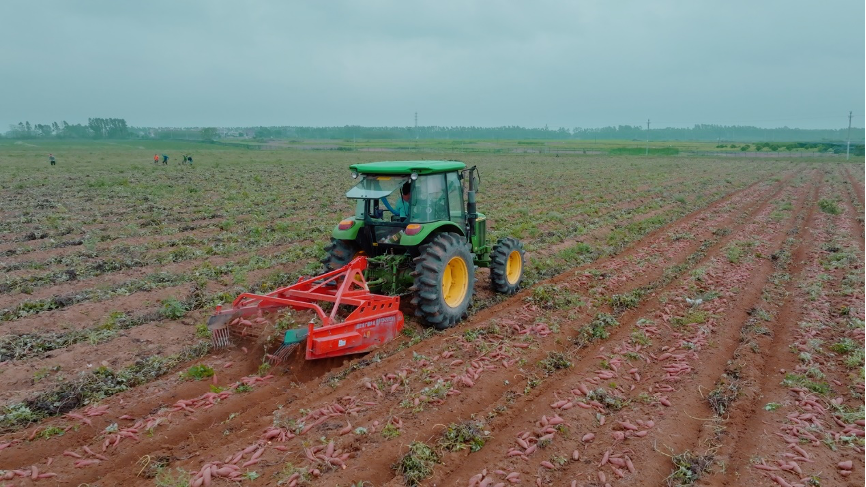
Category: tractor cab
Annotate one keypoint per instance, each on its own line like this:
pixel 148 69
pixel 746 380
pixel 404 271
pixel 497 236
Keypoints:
pixel 395 200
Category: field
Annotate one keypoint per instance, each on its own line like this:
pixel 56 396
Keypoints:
pixel 685 321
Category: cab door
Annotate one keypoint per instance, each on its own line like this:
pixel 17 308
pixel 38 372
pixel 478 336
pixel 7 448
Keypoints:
pixel 456 208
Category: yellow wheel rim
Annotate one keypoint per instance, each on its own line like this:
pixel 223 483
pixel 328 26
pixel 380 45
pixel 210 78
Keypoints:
pixel 513 267
pixel 455 282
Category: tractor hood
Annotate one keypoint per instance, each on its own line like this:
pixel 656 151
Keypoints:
pixel 375 187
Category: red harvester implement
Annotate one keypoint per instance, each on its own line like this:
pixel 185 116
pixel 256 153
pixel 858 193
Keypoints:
pixel 375 320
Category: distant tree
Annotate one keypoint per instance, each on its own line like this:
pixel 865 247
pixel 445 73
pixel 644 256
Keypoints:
pixel 75 131
pixel 773 147
pixel 209 134
pixel 264 133
pixel 112 128
pixel 745 147
pixel 96 126
pixel 117 128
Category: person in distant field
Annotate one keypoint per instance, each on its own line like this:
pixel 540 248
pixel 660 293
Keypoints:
pixel 184 159
pixel 164 160
pixel 156 158
pixel 189 159
pixel 51 159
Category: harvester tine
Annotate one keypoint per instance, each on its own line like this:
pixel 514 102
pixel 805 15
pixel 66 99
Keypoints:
pixel 282 354
pixel 218 325
pixel 221 338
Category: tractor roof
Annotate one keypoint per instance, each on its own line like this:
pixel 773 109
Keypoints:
pixel 408 167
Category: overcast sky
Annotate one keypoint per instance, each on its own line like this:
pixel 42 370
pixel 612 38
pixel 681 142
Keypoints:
pixel 580 63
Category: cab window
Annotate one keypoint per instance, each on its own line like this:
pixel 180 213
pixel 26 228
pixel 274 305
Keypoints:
pixel 429 201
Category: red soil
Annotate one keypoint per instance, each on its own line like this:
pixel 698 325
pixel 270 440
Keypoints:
pixel 725 294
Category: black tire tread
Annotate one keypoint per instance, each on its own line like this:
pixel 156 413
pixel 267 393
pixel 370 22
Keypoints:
pixel 338 253
pixel 498 260
pixel 427 296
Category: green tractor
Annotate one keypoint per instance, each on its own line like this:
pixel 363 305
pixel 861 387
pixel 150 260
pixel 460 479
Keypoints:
pixel 418 225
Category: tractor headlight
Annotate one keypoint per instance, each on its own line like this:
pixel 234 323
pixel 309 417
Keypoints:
pixel 354 174
pixel 414 176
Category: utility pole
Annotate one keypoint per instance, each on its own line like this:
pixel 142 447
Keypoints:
pixel 416 125
pixel 647 137
pixel 848 151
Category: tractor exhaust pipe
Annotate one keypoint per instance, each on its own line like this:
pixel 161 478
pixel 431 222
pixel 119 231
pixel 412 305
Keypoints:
pixel 471 207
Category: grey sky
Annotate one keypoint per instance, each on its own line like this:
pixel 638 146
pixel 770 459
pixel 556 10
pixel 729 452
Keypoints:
pixel 456 62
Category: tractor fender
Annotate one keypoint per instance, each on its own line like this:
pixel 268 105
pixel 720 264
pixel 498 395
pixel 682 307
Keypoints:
pixel 429 230
pixel 348 234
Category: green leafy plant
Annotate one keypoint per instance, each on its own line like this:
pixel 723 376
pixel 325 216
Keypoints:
pixel 689 468
pixel 607 399
pixel 459 436
pixel 417 464
pixel 173 309
pixel 621 302
pixel 201 331
pixel 179 478
pixel 51 431
pixel 596 329
pixel 390 431
pixel 829 207
pixel 198 372
pixel 553 362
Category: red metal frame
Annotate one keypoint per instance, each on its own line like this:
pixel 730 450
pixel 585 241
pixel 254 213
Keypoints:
pixel 375 320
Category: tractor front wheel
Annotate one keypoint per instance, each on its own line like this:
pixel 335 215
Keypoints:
pixel 339 253
pixel 506 266
pixel 444 281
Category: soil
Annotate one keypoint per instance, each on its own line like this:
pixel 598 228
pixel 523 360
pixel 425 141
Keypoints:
pixel 712 351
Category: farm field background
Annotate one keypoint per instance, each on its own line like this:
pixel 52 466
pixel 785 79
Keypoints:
pixel 685 321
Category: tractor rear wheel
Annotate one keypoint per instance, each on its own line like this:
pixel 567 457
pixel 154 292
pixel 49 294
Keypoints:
pixel 339 253
pixel 506 266
pixel 444 281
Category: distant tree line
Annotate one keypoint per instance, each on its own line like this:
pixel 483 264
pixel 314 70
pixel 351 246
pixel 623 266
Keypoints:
pixel 833 147
pixel 700 132
pixel 117 128
pixel 106 128
pixel 96 128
